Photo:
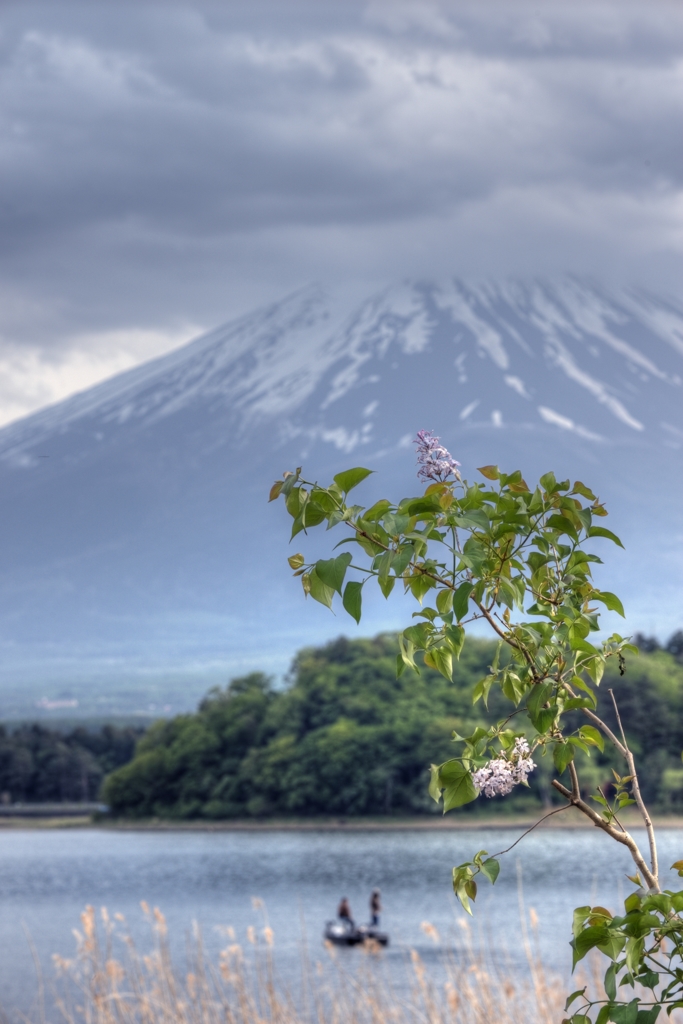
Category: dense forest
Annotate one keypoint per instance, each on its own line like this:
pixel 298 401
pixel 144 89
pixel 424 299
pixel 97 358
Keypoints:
pixel 39 764
pixel 346 737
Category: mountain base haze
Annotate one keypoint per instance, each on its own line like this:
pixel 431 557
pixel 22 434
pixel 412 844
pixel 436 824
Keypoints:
pixel 141 561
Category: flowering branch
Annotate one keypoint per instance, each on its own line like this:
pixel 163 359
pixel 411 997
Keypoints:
pixel 517 557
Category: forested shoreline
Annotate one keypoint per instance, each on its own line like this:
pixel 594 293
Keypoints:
pixel 343 737
pixel 40 764
pixel 346 737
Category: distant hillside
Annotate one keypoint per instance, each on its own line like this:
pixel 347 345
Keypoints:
pixel 348 738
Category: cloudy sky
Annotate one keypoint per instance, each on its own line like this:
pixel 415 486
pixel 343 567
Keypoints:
pixel 166 167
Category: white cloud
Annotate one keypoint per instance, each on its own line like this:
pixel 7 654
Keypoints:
pixel 184 164
pixel 31 378
pixel 565 423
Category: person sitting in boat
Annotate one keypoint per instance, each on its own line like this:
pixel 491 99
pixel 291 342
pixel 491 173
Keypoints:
pixel 344 913
pixel 375 908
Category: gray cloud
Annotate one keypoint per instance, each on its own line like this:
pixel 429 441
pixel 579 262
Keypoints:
pixel 166 165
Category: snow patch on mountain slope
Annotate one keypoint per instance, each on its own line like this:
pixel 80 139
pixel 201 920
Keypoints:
pixel 536 339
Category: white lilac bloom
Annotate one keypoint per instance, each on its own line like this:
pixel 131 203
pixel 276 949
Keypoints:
pixel 435 461
pixel 501 774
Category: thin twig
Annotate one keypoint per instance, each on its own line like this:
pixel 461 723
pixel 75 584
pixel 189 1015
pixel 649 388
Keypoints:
pixel 625 838
pixel 635 789
pixel 576 788
pixel 600 724
pixel 539 822
pixel 613 813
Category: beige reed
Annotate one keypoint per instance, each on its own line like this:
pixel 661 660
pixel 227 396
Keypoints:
pixel 110 981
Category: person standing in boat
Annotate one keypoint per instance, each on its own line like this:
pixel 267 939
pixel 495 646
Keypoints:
pixel 375 908
pixel 344 913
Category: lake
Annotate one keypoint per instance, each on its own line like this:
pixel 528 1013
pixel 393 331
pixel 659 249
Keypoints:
pixel 48 876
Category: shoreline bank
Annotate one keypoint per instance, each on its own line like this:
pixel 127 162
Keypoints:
pixel 570 820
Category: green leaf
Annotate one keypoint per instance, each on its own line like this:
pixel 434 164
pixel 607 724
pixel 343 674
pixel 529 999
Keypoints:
pixel 401 560
pixel 418 506
pixel 318 590
pixel 312 514
pixel 578 682
pixel 419 635
pixel 491 868
pixel 434 783
pixel 613 944
pixel 562 525
pixel 580 915
pixel 296 561
pixel 578 702
pixel 461 599
pixel 610 601
pixel 444 601
pixel 352 599
pixel 377 510
pixel 588 939
pixel 419 585
pixel 512 686
pixel 601 531
pixel 595 667
pixel 458 788
pixel 562 755
pixel 473 519
pixel 455 638
pixel 407 656
pixel 578 644
pixel 482 689
pixel 574 996
pixel 490 472
pixel 625 1013
pixel 395 524
pixel 611 982
pixel 544 719
pixel 351 478
pixel 386 584
pixel 538 696
pixel 275 490
pixel 584 491
pixel 592 735
pixel 331 571
pixel 382 564
pixel 440 658
pixel 634 953
pixel 460 887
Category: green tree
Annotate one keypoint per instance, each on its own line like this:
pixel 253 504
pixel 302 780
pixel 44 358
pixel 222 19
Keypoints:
pixel 189 766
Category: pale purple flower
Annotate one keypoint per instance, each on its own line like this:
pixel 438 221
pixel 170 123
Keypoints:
pixel 435 461
pixel 501 774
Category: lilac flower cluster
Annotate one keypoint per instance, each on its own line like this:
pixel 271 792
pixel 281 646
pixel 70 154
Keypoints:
pixel 435 461
pixel 501 775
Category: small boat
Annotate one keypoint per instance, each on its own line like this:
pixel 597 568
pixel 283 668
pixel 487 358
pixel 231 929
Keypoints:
pixel 342 934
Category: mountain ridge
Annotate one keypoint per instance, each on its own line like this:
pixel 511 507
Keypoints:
pixel 118 548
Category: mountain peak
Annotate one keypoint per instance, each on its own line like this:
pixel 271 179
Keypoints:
pixel 143 539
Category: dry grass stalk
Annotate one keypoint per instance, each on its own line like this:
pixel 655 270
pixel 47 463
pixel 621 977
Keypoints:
pixel 98 987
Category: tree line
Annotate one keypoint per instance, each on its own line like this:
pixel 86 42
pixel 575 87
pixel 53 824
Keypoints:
pixel 343 737
pixel 346 737
pixel 39 764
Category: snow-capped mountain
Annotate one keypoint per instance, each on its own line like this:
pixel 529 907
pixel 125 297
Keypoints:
pixel 136 534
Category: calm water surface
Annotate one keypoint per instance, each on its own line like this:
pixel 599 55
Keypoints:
pixel 47 877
